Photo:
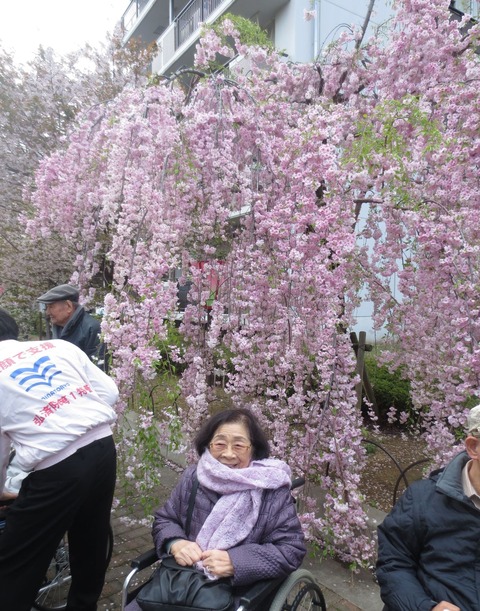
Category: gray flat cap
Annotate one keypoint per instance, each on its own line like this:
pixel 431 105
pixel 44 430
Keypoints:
pixel 62 292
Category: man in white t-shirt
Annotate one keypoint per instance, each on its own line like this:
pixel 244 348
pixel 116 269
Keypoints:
pixel 56 410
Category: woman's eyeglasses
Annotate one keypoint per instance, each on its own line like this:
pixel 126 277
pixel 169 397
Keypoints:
pixel 237 447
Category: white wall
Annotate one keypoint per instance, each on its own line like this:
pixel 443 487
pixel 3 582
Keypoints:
pixel 293 34
pixel 304 40
pixel 336 15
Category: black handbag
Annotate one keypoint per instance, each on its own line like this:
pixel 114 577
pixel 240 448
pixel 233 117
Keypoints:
pixel 183 588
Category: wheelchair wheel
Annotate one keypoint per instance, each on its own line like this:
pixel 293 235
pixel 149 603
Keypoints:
pixel 53 593
pixel 299 592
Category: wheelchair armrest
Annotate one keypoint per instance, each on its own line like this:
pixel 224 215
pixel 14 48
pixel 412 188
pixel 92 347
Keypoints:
pixel 146 559
pixel 138 564
pixel 259 591
pixel 297 482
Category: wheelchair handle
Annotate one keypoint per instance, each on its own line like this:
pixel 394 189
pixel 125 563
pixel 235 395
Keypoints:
pixel 144 560
pixel 297 482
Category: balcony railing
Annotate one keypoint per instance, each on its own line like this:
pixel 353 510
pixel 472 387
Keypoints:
pixel 472 7
pixel 188 21
pixel 132 13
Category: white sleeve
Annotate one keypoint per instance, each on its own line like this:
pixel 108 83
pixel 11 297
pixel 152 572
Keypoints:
pixel 15 476
pixel 5 446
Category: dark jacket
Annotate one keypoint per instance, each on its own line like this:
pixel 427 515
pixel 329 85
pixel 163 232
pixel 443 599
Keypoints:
pixel 274 548
pixel 84 331
pixel 429 545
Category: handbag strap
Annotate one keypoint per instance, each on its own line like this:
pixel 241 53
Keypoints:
pixel 191 504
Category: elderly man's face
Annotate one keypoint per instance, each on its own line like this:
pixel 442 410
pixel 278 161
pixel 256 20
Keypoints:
pixel 60 312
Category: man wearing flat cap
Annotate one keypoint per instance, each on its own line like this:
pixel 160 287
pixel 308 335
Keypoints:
pixel 71 322
pixel 429 544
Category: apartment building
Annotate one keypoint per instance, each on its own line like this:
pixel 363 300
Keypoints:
pixel 175 24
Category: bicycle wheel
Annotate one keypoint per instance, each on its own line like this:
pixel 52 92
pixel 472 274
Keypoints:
pixel 54 589
pixel 299 592
pixel 52 595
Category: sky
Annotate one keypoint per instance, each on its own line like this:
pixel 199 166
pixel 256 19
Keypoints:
pixel 63 25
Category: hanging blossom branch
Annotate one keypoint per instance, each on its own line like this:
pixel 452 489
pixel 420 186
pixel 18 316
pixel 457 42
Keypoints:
pixel 290 159
pixel 425 165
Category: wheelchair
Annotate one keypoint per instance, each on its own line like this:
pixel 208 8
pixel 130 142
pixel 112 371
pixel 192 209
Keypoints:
pixel 297 592
pixel 52 595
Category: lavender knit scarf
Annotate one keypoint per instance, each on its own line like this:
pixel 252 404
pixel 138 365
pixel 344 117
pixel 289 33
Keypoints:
pixel 236 511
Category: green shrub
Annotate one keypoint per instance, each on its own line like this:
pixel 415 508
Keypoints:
pixel 171 351
pixel 390 389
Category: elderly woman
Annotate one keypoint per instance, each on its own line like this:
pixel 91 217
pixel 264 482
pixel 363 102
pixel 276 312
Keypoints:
pixel 244 523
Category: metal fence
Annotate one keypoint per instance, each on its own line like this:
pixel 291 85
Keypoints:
pixel 189 20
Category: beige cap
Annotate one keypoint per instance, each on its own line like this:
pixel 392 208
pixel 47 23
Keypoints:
pixel 473 420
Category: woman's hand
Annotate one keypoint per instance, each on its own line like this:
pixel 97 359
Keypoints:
pixel 217 562
pixel 444 606
pixel 185 552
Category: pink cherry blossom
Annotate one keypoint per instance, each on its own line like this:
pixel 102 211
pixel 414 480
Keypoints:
pixel 281 193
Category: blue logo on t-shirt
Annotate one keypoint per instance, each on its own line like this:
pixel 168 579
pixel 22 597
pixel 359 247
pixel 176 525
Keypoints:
pixel 41 374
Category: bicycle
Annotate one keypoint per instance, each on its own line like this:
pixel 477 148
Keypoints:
pixel 52 595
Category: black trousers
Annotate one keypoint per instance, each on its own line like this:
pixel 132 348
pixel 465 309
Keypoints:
pixel 74 495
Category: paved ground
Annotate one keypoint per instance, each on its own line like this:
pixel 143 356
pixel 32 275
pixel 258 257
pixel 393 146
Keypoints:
pixel 343 591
